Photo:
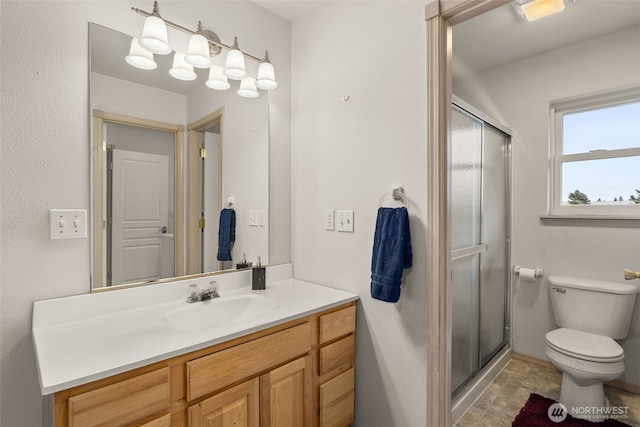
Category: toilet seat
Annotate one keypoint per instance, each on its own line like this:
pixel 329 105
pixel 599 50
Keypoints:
pixel 585 346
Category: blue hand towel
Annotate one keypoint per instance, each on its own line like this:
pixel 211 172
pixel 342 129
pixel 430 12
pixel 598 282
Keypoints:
pixel 226 234
pixel 391 253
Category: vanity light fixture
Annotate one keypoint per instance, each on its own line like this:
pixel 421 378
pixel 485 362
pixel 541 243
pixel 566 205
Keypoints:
pixel 181 69
pixel 140 57
pixel 155 37
pixel 266 74
pixel 248 88
pixel 198 53
pixel 235 68
pixel 531 10
pixel 203 45
pixel 217 80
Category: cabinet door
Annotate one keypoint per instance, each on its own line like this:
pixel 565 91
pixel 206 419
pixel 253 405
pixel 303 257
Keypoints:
pixel 286 395
pixel 237 407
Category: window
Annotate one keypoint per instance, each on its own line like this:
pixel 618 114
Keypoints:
pixel 595 148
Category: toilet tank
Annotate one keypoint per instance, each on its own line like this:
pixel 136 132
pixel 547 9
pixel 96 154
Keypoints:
pixel 603 308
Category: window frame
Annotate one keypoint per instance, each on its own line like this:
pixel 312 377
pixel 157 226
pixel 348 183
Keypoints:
pixel 582 104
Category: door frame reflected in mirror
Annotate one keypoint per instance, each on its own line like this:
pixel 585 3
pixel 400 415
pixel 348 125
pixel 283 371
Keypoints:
pixel 196 190
pixel 100 119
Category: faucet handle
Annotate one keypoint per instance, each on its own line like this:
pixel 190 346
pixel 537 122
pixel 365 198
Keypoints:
pixel 213 288
pixel 193 293
pixel 630 275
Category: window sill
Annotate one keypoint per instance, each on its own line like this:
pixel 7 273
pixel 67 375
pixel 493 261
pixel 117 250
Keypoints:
pixel 591 220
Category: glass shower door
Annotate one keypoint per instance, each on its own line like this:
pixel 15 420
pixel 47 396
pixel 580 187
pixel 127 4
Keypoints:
pixel 479 244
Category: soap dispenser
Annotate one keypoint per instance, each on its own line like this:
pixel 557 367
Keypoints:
pixel 243 264
pixel 258 280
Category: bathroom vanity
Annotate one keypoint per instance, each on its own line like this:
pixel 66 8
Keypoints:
pixel 292 365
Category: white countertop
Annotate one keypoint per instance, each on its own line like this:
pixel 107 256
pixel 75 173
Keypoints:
pixel 84 338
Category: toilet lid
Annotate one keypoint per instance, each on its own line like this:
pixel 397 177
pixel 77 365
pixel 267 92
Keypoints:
pixel 584 345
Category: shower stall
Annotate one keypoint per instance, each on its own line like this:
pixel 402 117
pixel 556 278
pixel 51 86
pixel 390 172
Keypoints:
pixel 480 218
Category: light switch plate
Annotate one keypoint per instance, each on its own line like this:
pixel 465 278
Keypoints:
pixel 344 221
pixel 67 223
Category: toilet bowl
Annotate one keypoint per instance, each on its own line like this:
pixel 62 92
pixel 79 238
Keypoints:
pixel 586 360
pixel 590 315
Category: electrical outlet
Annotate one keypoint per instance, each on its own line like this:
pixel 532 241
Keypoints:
pixel 344 221
pixel 253 218
pixel 262 221
pixel 329 220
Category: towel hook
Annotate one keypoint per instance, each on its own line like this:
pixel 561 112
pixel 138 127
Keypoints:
pixel 230 201
pixel 397 194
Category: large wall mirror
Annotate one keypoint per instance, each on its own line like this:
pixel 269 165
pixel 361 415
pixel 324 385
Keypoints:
pixel 168 157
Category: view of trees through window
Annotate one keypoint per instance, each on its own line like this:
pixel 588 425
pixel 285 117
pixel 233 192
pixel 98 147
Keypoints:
pixel 600 155
pixel 579 198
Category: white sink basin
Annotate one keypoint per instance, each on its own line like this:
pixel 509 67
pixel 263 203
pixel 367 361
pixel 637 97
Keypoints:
pixel 219 312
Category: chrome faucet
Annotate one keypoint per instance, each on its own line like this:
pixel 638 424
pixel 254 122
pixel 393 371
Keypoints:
pixel 630 275
pixel 195 294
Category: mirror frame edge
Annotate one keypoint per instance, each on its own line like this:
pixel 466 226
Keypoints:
pixel 101 117
pixel 441 16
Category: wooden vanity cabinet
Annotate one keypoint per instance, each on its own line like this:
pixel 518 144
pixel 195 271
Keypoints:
pixel 300 373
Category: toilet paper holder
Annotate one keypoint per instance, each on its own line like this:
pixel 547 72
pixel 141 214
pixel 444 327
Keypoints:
pixel 537 272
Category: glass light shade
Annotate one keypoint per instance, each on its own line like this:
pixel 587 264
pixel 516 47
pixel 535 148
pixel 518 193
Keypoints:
pixel 266 76
pixel 235 68
pixel 198 53
pixel 180 69
pixel 154 36
pixel 140 57
pixel 217 80
pixel 537 9
pixel 248 88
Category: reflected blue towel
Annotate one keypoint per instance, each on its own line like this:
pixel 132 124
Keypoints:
pixel 226 234
pixel 391 253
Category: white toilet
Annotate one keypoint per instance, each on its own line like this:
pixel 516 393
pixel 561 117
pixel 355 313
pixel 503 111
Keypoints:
pixel 590 314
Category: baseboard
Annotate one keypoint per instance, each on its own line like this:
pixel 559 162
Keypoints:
pixel 631 388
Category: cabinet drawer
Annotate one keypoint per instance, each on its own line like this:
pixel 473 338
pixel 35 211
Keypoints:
pixel 210 373
pixel 164 421
pixel 123 402
pixel 337 324
pixel 337 355
pixel 337 400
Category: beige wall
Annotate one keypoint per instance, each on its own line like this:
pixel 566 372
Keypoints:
pixel 44 138
pixel 518 95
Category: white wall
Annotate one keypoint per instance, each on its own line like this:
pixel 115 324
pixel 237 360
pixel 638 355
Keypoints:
pixel 518 94
pixel 44 137
pixel 245 170
pixel 346 155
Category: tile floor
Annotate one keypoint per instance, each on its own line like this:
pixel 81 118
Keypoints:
pixel 507 394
